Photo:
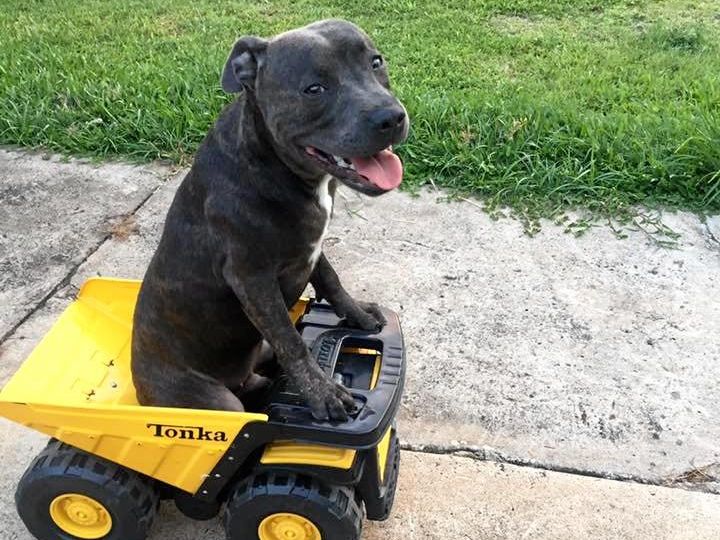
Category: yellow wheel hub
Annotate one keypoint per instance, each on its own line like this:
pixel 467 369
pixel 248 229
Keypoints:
pixel 288 527
pixel 80 516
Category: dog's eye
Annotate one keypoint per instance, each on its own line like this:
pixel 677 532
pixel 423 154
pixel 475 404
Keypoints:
pixel 377 62
pixel 315 89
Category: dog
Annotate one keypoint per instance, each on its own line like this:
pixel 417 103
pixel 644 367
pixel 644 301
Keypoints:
pixel 243 235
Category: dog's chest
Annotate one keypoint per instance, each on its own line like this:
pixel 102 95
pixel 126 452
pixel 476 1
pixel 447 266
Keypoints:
pixel 325 201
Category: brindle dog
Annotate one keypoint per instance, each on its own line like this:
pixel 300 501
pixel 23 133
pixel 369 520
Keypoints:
pixel 244 233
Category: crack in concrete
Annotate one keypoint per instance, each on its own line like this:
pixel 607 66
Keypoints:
pixel 710 485
pixel 710 234
pixel 73 270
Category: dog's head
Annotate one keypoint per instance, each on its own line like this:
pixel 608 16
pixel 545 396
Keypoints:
pixel 324 94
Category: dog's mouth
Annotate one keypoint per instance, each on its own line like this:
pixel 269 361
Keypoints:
pixel 380 172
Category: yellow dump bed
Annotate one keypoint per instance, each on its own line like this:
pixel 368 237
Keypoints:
pixel 76 386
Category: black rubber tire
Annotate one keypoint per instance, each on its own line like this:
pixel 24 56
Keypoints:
pixel 379 499
pixel 333 509
pixel 392 473
pixel 130 498
pixel 195 508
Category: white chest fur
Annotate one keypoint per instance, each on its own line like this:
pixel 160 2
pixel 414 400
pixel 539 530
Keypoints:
pixel 325 201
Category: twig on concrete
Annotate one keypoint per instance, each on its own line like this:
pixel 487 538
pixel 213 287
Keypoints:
pixel 472 202
pixel 403 221
pixel 697 475
pixel 357 213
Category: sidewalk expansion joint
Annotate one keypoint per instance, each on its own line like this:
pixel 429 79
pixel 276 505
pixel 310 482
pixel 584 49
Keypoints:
pixel 692 480
pixel 71 272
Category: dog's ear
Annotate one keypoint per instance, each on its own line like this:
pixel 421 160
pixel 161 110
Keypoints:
pixel 242 64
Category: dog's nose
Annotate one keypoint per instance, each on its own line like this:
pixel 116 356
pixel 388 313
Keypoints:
pixel 384 120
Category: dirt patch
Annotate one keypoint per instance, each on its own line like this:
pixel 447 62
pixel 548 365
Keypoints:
pixel 122 227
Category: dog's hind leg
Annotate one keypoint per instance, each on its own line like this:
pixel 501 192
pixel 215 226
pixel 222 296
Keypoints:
pixel 265 360
pixel 188 389
pixel 251 387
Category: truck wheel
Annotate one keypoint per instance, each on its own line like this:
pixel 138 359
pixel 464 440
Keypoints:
pixel 392 472
pixel 195 508
pixel 68 494
pixel 279 506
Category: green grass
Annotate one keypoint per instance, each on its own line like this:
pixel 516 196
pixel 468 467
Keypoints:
pixel 538 105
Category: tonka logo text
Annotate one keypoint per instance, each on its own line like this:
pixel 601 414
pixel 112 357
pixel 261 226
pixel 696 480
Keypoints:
pixel 193 433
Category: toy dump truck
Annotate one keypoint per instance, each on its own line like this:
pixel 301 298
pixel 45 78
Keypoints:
pixel 280 474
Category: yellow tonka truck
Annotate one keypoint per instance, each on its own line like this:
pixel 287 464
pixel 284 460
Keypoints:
pixel 280 474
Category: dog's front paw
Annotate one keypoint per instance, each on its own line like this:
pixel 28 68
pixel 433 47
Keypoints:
pixel 331 401
pixel 368 317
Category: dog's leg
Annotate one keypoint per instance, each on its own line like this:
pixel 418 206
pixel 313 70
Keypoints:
pixel 264 305
pixel 170 386
pixel 365 315
pixel 253 387
pixel 250 379
pixel 255 392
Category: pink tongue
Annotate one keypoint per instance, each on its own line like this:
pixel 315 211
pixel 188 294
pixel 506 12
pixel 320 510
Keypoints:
pixel 384 169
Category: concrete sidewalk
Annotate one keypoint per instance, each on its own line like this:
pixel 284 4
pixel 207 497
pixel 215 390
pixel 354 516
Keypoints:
pixel 593 355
